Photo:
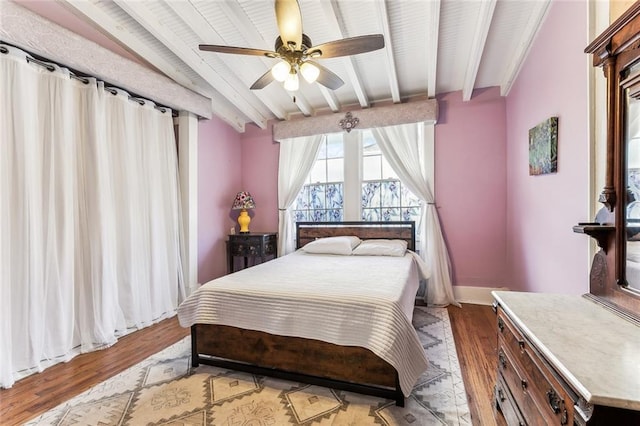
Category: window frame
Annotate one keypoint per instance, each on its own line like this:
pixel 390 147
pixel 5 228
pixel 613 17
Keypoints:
pixel 353 174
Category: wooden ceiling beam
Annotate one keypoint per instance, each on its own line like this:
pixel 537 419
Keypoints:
pixel 388 48
pixel 536 17
pixel 483 24
pixel 431 45
pixel 232 90
pixel 106 23
pixel 330 10
pixel 238 63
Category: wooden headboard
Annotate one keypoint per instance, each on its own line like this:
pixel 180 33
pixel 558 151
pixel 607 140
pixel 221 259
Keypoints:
pixel 309 231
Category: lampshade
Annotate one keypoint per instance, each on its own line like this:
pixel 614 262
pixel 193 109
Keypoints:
pixel 243 200
pixel 310 72
pixel 280 71
pixel 292 83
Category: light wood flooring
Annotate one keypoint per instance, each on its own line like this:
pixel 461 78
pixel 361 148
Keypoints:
pixel 473 329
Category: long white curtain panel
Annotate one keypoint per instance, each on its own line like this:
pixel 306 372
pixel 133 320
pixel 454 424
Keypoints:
pixel 402 146
pixel 297 156
pixel 89 216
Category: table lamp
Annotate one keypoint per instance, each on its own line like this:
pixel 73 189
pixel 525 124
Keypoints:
pixel 242 202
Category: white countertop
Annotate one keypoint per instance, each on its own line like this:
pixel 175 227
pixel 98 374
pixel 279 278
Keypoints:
pixel 595 351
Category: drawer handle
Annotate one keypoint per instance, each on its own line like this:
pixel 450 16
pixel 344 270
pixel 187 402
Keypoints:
pixel 554 400
pixel 503 361
pixel 501 396
pixel 521 344
pixel 523 383
pixel 557 405
pixel 501 325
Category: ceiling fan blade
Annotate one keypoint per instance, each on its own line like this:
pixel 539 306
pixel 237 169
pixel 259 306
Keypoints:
pixel 237 50
pixel 327 78
pixel 289 20
pixel 263 81
pixel 348 46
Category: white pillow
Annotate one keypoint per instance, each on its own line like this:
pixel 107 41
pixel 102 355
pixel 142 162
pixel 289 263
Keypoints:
pixel 381 248
pixel 332 245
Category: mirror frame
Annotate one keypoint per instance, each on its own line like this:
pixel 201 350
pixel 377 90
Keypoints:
pixel 615 50
pixel 629 90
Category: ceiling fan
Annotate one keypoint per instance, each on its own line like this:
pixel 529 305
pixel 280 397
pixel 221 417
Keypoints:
pixel 297 54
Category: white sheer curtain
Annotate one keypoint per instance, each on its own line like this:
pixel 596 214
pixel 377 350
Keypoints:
pixel 297 156
pixel 403 147
pixel 89 216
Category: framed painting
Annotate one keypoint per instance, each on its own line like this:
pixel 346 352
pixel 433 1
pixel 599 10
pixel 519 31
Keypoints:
pixel 543 147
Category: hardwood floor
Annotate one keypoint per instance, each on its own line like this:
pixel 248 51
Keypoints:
pixel 473 329
pixel 41 392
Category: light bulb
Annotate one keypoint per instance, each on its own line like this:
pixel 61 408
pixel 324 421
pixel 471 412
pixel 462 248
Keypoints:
pixel 292 83
pixel 310 72
pixel 280 71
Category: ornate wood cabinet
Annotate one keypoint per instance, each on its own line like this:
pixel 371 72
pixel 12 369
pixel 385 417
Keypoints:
pixel 256 246
pixel 614 279
pixel 575 360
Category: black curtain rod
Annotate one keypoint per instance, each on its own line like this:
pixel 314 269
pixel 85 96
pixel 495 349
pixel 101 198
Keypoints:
pixel 110 88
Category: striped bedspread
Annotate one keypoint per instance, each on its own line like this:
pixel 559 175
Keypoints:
pixel 364 301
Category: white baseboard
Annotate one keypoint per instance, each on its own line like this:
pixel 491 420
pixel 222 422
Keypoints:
pixel 475 295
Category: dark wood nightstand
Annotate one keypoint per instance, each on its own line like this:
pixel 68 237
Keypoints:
pixel 255 245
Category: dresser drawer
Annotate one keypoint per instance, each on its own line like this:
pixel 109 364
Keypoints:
pixel 506 404
pixel 551 400
pixel 245 247
pixel 252 245
pixel 517 383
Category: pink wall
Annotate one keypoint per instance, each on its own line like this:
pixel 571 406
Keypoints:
pixel 260 176
pixel 471 187
pixel 544 254
pixel 466 132
pixel 219 179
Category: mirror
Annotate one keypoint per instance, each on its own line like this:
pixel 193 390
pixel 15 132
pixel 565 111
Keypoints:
pixel 632 140
pixel 614 279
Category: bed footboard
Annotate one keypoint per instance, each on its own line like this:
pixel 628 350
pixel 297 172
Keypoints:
pixel 292 358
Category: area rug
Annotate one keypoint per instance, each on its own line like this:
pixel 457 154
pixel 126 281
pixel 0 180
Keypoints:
pixel 164 390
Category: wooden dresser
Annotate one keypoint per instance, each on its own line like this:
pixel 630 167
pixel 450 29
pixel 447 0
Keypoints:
pixel 559 363
pixel 571 359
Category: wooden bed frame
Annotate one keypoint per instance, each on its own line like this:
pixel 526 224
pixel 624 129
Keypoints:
pixel 310 361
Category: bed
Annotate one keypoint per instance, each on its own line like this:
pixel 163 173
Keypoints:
pixel 294 318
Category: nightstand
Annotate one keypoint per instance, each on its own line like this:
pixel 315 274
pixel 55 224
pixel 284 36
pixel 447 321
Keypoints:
pixel 255 245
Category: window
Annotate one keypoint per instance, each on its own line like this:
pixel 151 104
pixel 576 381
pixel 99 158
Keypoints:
pixel 322 196
pixel 382 196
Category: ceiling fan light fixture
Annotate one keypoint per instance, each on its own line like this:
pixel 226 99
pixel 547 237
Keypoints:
pixel 297 54
pixel 310 72
pixel 292 83
pixel 280 71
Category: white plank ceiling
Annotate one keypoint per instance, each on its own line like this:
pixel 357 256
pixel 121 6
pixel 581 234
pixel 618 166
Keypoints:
pixel 431 47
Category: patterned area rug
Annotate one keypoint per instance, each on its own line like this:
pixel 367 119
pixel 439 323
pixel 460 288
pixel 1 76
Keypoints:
pixel 163 390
